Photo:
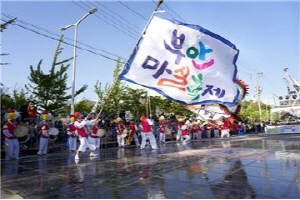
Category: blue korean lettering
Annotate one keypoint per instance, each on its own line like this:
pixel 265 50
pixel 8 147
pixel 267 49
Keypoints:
pixel 220 93
pixel 176 42
pixel 193 52
pixel 152 63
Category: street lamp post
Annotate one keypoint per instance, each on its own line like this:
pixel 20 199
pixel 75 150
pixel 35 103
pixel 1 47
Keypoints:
pixel 93 10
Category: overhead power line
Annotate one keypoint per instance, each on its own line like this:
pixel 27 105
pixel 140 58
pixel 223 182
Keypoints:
pixel 84 6
pixel 121 17
pixel 133 11
pixel 54 36
pixel 130 28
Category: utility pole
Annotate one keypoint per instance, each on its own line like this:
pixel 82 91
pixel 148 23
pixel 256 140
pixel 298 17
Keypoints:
pixel 258 92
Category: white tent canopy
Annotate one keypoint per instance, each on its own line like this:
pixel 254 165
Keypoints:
pixel 295 110
pixel 208 112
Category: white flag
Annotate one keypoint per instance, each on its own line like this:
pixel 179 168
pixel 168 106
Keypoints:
pixel 185 63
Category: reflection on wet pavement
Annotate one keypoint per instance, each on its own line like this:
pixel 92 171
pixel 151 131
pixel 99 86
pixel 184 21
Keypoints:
pixel 239 167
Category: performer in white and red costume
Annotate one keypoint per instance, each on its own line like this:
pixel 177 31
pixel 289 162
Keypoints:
pixel 146 132
pixel 195 130
pixel 11 141
pixel 94 138
pixel 44 134
pixel 185 137
pixel 81 128
pixel 225 128
pixel 162 128
pixel 120 127
pixel 180 123
pixel 132 134
pixel 72 138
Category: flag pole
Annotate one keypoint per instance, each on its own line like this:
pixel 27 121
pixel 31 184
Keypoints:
pixel 149 103
pixel 143 32
pixel 135 46
pixel 126 62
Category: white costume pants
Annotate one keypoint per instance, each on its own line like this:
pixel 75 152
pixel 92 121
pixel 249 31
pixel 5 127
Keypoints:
pixel 43 148
pixel 84 144
pixel 12 148
pixel 162 137
pixel 95 141
pixel 178 136
pixel 216 133
pixel 121 141
pixel 225 133
pixel 151 137
pixel 208 133
pixel 196 135
pixel 72 143
pixel 136 139
pixel 185 138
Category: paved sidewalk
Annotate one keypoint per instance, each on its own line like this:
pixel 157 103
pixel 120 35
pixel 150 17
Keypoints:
pixel 252 166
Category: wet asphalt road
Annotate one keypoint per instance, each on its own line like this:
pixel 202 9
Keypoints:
pixel 252 166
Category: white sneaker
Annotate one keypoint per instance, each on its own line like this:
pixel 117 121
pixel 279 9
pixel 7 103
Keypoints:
pixel 93 154
pixel 77 157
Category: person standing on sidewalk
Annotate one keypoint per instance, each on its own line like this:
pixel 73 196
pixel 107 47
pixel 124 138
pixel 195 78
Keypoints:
pixel 146 132
pixel 32 113
pixel 83 134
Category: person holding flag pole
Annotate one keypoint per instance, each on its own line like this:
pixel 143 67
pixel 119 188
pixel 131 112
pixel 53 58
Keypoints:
pixel 81 129
pixel 146 132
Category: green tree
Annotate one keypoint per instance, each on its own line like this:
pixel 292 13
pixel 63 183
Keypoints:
pixel 84 106
pixel 49 90
pixel 111 96
pixel 14 100
pixel 168 106
pixel 134 101
pixel 250 112
pixel 102 95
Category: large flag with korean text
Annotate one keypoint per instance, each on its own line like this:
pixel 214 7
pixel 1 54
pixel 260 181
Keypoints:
pixel 185 63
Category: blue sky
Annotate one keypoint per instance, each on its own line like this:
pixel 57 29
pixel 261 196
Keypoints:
pixel 265 32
